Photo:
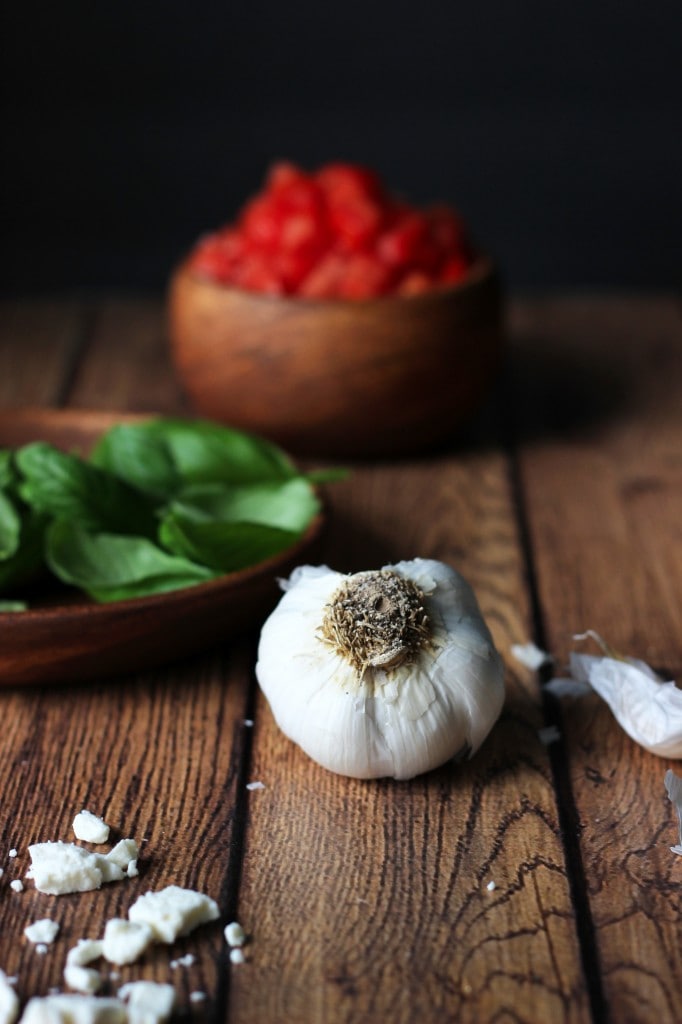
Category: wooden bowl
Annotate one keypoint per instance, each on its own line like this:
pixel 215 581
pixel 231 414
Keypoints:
pixel 381 377
pixel 66 637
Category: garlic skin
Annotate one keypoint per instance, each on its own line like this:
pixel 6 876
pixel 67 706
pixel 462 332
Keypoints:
pixel 398 721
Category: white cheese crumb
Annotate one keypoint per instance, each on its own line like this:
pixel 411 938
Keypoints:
pixel 82 979
pixel 131 870
pixel 491 886
pixel 549 734
pixel 1 872
pixel 60 868
pixel 197 997
pixel 72 1009
pixel 173 911
pixel 89 828
pixel 12 853
pixel 566 687
pixel 41 948
pixel 16 885
pixel 248 722
pixel 149 1002
pixel 84 952
pixel 255 785
pixel 44 931
pixel 237 955
pixel 530 655
pixel 124 853
pixel 235 934
pixel 183 961
pixel 9 1001
pixel 124 941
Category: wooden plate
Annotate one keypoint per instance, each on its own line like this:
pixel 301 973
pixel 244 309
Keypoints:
pixel 75 639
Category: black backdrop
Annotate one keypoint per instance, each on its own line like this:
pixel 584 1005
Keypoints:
pixel 130 127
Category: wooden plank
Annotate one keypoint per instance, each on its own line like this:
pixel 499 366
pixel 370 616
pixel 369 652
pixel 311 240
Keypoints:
pixel 127 363
pixel 603 484
pixel 39 342
pixel 160 754
pixel 368 901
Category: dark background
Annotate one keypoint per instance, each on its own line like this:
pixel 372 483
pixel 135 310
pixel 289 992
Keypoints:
pixel 131 127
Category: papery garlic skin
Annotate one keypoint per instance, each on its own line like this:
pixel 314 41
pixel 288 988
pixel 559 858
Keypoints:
pixel 646 707
pixel 399 722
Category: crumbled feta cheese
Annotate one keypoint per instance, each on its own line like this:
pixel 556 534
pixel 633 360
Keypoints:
pixel 72 1009
pixel 82 979
pixel 12 853
pixel 131 870
pixel 16 885
pixel 491 886
pixel 124 853
pixel 1 872
pixel 84 952
pixel 89 828
pixel 124 941
pixel 197 997
pixel 255 785
pixel 41 948
pixel 149 1002
pixel 237 955
pixel 44 931
pixel 530 655
pixel 183 961
pixel 248 722
pixel 9 1001
pixel 173 911
pixel 235 934
pixel 60 868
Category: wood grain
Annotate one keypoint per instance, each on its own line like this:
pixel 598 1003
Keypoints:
pixel 604 499
pixel 39 345
pixel 369 901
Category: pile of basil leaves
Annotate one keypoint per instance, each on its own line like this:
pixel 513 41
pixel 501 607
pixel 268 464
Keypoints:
pixel 158 505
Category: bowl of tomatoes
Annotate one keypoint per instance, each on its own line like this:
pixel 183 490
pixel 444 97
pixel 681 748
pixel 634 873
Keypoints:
pixel 336 318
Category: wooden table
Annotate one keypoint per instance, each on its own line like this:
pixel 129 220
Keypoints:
pixel 370 902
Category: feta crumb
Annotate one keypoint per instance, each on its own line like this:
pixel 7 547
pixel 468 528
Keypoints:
pixel 131 870
pixel 16 885
pixel 60 868
pixel 530 655
pixel 82 979
pixel 89 828
pixel 248 722
pixel 149 1002
pixel 1 872
pixel 235 934
pixel 12 853
pixel 9 1001
pixel 183 961
pixel 84 952
pixel 173 911
pixel 197 997
pixel 237 955
pixel 124 941
pixel 124 853
pixel 255 785
pixel 491 886
pixel 71 1009
pixel 41 948
pixel 549 734
pixel 44 931
pixel 566 687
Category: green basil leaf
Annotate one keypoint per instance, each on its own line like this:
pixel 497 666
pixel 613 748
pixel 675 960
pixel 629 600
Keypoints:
pixel 139 456
pixel 110 567
pixel 65 487
pixel 13 606
pixel 6 471
pixel 27 559
pixel 206 452
pixel 10 527
pixel 224 546
pixel 290 504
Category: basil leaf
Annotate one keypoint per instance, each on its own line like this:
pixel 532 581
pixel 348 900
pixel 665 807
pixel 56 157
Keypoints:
pixel 6 472
pixel 290 504
pixel 27 559
pixel 110 567
pixel 13 606
pixel 208 453
pixel 140 457
pixel 10 527
pixel 64 486
pixel 224 546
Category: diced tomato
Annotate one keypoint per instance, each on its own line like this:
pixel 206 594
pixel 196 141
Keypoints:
pixel 335 233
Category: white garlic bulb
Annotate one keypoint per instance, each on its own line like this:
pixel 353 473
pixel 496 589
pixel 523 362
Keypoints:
pixel 383 673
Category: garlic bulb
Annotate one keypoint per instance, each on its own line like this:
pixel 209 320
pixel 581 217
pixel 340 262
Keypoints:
pixel 383 673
